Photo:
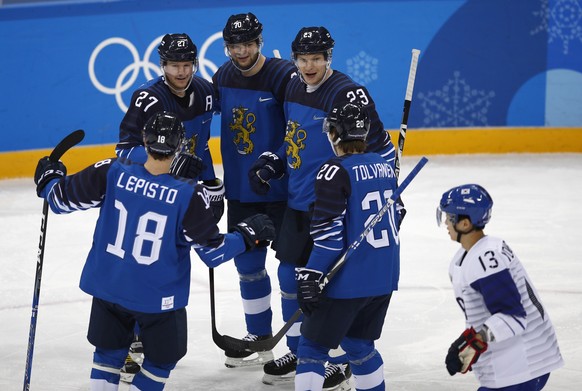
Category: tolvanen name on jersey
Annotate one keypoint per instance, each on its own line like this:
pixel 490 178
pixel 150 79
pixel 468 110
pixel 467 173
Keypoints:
pixel 371 171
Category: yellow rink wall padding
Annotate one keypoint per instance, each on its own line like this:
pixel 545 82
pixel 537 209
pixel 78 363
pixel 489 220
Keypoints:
pixel 418 142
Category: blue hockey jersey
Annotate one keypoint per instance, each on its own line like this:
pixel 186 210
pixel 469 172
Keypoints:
pixel 140 257
pixel 306 146
pixel 195 110
pixel 252 122
pixel 350 190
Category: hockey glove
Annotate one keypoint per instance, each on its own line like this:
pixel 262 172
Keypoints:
pixel 215 190
pixel 400 212
pixel 267 167
pixel 257 230
pixel 465 351
pixel 46 171
pixel 309 288
pixel 186 165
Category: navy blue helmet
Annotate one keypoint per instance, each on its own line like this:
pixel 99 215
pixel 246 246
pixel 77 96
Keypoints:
pixel 178 48
pixel 163 133
pixel 350 121
pixel 242 28
pixel 312 40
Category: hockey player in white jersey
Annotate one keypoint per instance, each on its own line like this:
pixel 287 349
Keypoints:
pixel 509 342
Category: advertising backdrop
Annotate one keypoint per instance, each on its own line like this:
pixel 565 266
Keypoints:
pixel 484 63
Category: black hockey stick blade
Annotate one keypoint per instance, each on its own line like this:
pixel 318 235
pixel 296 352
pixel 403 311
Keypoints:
pixel 261 345
pixel 67 143
pixel 226 342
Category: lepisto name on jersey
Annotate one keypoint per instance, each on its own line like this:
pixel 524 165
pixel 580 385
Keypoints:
pixel 146 188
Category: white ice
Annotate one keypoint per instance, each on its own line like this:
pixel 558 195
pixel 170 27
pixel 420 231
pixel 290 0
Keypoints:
pixel 537 211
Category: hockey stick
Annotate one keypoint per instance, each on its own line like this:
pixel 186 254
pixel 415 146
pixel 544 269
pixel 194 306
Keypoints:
pixel 67 143
pixel 406 110
pixel 227 342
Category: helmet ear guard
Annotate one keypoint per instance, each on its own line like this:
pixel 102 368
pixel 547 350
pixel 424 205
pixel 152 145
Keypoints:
pixel 163 134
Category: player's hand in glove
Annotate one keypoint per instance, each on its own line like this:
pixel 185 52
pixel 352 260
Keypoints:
pixel 465 351
pixel 257 230
pixel 215 190
pixel 309 286
pixel 46 171
pixel 400 212
pixel 267 167
pixel 186 165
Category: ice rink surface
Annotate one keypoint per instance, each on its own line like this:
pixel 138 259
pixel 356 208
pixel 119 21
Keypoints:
pixel 537 211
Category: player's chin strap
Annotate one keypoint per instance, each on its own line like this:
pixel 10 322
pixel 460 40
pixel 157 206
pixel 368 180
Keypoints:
pixel 459 233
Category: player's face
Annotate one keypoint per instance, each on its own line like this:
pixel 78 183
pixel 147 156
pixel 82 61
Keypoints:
pixel 449 223
pixel 244 54
pixel 312 67
pixel 178 74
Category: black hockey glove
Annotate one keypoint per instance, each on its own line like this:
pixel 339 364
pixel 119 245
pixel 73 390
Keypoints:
pixel 186 165
pixel 267 167
pixel 46 171
pixel 257 230
pixel 464 352
pixel 215 190
pixel 309 286
pixel 400 212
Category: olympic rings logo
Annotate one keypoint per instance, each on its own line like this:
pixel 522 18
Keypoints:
pixel 150 69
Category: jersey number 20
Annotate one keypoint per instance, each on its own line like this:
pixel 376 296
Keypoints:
pixel 383 240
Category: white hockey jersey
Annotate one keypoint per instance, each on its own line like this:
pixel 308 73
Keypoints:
pixel 492 287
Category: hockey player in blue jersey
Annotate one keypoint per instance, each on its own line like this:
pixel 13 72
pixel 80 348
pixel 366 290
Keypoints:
pixel 509 342
pixel 250 88
pixel 138 268
pixel 180 91
pixel 308 100
pixel 192 99
pixel 349 190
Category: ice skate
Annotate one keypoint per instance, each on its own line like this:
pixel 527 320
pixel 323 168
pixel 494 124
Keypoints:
pixel 281 370
pixel 337 377
pixel 236 359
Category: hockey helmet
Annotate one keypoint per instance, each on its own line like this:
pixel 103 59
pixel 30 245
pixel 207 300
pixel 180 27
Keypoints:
pixel 178 48
pixel 241 28
pixel 469 200
pixel 350 121
pixel 312 40
pixel 163 133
